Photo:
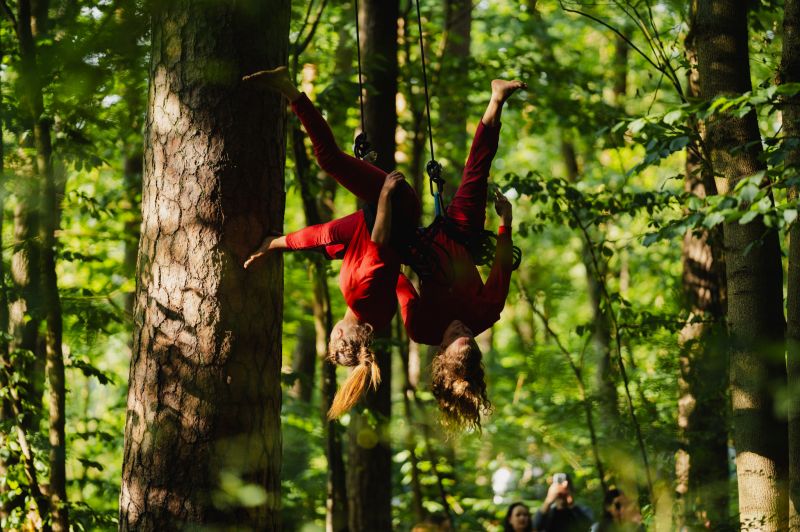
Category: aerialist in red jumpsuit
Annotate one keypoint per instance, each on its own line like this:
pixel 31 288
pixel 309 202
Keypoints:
pixel 448 310
pixel 370 264
pixel 451 312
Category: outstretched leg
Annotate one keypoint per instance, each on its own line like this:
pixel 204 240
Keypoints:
pixel 468 208
pixel 361 178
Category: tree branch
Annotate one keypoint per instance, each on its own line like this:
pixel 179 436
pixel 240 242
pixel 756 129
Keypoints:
pixel 615 30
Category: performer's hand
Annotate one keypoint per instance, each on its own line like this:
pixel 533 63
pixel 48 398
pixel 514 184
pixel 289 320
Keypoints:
pixel 391 182
pixel 503 208
pixel 261 252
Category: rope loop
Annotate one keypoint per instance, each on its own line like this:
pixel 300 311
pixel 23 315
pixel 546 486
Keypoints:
pixel 361 146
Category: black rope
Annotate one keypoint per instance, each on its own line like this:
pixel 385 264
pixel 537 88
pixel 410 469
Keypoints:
pixel 433 168
pixel 361 145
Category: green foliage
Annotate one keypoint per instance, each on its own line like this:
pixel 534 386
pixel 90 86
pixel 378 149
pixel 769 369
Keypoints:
pixel 600 247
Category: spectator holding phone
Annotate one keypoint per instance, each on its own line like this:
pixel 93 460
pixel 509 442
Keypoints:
pixel 558 512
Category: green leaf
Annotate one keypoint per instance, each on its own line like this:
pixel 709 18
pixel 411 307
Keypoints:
pixel 748 193
pixel 637 125
pixel 790 215
pixel 713 219
pixel 678 143
pixel 748 217
pixel 673 116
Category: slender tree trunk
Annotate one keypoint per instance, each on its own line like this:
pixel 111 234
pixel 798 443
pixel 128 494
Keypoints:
pixel 6 410
pixel 409 392
pixel 336 503
pixel 26 309
pixel 790 73
pixel 702 460
pixel 454 87
pixel 369 474
pixel 32 22
pixel 204 399
pixel 754 277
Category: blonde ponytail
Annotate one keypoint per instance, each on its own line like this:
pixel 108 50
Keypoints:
pixel 367 373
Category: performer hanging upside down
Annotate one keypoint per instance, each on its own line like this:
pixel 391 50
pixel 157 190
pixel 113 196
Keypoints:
pixel 370 264
pixel 451 312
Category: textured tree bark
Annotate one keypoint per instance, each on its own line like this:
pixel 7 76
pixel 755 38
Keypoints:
pixel 754 276
pixel 26 306
pixel 453 84
pixel 702 459
pixel 790 73
pixel 369 487
pixel 204 399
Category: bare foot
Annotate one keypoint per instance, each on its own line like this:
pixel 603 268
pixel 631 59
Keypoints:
pixel 503 89
pixel 276 79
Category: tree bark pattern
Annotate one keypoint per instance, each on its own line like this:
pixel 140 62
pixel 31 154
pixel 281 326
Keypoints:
pixel 204 396
pixel 369 474
pixel 790 73
pixel 702 458
pixel 754 276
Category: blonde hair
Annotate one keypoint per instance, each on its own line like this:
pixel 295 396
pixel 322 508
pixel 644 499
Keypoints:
pixel 354 350
pixel 459 385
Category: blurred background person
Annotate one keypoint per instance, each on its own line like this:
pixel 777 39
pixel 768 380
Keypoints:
pixel 559 512
pixel 620 514
pixel 518 518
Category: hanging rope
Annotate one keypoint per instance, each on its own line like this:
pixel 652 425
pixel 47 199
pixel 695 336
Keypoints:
pixel 433 168
pixel 361 146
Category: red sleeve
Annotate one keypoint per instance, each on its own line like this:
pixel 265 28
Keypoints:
pixel 329 235
pixel 408 297
pixel 495 291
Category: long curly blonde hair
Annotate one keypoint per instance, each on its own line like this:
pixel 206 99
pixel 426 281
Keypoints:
pixel 353 350
pixel 458 382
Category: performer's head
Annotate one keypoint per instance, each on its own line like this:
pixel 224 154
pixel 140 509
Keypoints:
pixel 351 345
pixel 458 378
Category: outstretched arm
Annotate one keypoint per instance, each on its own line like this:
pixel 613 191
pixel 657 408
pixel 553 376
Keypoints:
pixel 382 230
pixel 315 237
pixel 497 284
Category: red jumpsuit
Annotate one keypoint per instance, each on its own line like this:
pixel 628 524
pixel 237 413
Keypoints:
pixel 369 273
pixel 426 315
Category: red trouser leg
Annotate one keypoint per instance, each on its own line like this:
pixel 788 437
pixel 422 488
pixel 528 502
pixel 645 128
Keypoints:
pixel 359 177
pixel 468 208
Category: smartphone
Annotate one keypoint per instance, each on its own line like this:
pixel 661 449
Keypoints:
pixel 559 478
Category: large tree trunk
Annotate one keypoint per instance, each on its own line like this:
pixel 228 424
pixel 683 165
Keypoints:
pixel 702 459
pixel 204 401
pixel 790 73
pixel 369 487
pixel 754 276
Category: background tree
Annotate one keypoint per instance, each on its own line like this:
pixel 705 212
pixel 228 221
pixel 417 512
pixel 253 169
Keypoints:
pixel 790 73
pixel 369 467
pixel 753 272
